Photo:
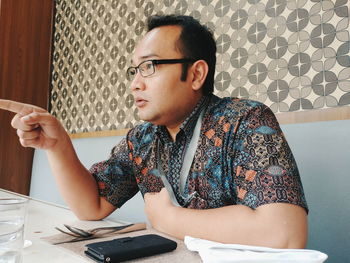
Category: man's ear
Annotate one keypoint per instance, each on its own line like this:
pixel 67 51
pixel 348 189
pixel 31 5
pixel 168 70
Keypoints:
pixel 199 73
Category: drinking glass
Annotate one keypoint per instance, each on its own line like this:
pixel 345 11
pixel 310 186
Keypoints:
pixel 12 217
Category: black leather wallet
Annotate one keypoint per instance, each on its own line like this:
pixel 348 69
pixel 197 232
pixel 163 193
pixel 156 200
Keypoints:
pixel 127 248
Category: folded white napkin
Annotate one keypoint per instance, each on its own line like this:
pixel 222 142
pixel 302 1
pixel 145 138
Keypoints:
pixel 211 252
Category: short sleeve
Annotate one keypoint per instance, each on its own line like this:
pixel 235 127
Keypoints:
pixel 265 169
pixel 115 177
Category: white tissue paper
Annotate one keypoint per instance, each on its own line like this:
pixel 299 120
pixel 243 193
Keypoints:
pixel 214 252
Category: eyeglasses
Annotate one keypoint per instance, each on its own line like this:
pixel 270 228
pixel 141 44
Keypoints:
pixel 147 68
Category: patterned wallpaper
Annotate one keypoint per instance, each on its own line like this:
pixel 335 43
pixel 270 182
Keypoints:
pixel 292 55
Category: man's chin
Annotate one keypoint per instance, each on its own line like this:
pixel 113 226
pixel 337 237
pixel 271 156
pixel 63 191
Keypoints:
pixel 149 118
pixel 144 116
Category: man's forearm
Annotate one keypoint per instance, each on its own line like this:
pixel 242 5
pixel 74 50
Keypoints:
pixel 268 225
pixel 75 182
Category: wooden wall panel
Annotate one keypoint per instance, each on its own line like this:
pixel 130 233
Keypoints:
pixel 25 50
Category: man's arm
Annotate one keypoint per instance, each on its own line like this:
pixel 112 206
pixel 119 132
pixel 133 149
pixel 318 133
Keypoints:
pixel 77 185
pixel 273 225
pixel 38 129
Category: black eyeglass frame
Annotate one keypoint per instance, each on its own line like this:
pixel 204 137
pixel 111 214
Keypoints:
pixel 157 62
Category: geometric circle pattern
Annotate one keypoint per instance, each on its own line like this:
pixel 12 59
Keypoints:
pixel 292 55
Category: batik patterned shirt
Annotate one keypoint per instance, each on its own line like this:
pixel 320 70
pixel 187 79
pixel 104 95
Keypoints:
pixel 242 157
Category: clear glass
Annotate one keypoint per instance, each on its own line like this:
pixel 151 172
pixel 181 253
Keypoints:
pixel 12 217
pixel 146 69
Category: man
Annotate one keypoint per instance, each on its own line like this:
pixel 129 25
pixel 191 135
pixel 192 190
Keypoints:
pixel 241 184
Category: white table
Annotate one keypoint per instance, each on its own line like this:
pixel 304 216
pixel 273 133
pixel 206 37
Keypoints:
pixel 41 221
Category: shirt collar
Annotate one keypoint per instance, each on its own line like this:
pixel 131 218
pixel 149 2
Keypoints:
pixel 189 123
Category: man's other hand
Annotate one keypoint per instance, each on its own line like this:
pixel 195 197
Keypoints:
pixel 158 208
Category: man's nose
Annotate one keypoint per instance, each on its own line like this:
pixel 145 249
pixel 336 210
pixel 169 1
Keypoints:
pixel 138 82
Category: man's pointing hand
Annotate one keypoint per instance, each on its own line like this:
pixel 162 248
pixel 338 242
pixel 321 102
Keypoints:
pixel 35 126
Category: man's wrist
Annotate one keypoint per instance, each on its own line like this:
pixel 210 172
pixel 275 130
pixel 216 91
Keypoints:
pixel 62 146
pixel 172 219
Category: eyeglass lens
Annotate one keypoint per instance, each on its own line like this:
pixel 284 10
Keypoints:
pixel 146 68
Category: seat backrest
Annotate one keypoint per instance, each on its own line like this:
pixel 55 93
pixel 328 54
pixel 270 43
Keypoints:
pixel 322 151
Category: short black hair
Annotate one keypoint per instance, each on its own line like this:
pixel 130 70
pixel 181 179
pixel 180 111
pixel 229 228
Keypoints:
pixel 196 41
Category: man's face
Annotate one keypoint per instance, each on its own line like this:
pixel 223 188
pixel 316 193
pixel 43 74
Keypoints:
pixel 162 98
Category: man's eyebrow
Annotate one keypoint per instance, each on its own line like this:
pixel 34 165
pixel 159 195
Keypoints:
pixel 145 57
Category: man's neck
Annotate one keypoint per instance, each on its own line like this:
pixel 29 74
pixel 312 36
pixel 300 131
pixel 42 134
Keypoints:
pixel 173 131
pixel 175 128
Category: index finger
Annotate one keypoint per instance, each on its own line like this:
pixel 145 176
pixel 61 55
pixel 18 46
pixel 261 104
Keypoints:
pixel 17 107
